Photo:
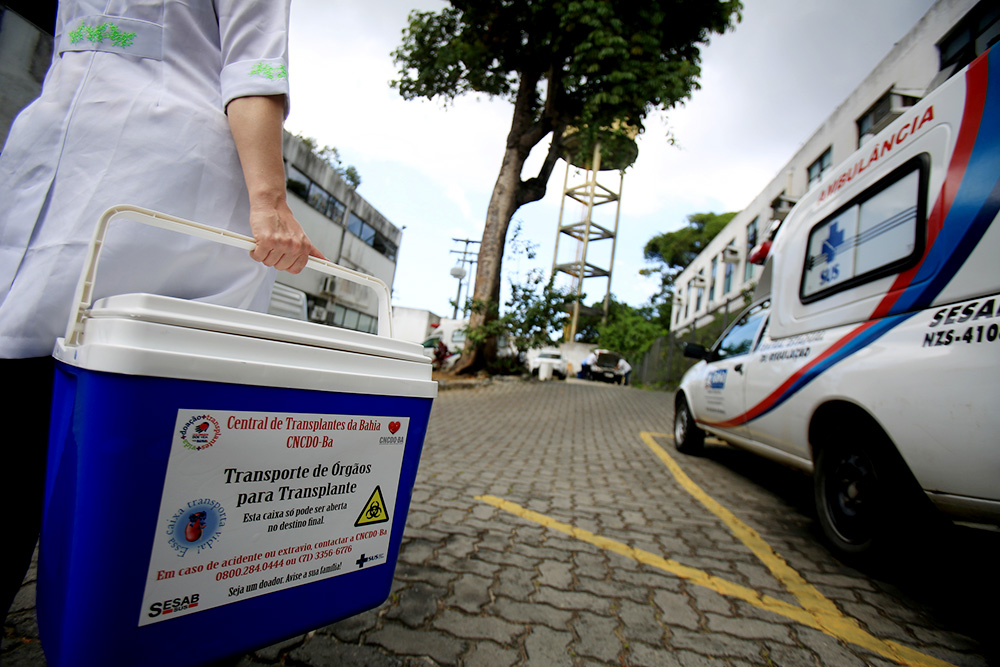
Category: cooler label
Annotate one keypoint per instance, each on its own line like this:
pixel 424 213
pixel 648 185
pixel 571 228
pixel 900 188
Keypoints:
pixel 255 502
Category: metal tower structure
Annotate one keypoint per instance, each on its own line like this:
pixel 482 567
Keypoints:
pixel 590 194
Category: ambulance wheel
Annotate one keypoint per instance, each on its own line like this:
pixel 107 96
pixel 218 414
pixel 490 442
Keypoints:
pixel 866 497
pixel 688 438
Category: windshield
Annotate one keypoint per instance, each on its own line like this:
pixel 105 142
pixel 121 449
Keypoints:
pixel 739 339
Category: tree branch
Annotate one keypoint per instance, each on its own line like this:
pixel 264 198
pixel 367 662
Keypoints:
pixel 524 111
pixel 533 188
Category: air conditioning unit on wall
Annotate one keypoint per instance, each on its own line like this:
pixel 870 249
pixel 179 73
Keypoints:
pixel 781 206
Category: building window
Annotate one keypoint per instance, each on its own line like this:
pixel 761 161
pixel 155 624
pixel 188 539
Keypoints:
pixel 298 183
pixel 371 236
pixel 385 246
pixel 348 318
pixel 971 37
pixel 888 108
pixel 366 323
pixel 335 211
pixel 752 230
pixel 820 168
pixel 711 278
pixel 727 283
pixel 355 225
pixel 321 200
pixel 306 189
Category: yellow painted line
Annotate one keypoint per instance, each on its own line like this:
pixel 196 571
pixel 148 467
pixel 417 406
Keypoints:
pixel 828 617
pixel 807 595
pixel 695 575
pixel 816 611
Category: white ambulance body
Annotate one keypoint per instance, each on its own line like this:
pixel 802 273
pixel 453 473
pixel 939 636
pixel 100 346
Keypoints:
pixel 872 357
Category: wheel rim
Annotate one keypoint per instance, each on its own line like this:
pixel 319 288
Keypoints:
pixel 680 424
pixel 852 498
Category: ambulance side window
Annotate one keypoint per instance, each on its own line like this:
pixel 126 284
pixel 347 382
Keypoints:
pixel 740 338
pixel 878 233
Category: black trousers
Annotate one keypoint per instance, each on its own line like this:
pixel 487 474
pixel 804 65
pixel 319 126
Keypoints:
pixel 25 441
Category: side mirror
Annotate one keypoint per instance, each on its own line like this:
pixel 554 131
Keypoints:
pixel 695 351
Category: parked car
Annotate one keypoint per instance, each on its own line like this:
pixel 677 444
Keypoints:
pixel 605 369
pixel 553 361
pixel 870 356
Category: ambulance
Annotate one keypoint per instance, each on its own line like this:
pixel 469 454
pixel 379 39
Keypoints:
pixel 871 355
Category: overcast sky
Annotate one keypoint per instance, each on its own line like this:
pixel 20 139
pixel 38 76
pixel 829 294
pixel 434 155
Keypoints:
pixel 765 88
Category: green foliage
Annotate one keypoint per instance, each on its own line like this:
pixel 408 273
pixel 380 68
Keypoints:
pixel 593 65
pixel 535 313
pixel 579 63
pixel 629 331
pixel 673 251
pixel 669 375
pixel 331 156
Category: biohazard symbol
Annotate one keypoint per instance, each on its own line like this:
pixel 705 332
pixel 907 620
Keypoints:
pixel 374 511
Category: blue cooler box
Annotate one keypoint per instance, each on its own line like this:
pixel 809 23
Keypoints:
pixel 219 480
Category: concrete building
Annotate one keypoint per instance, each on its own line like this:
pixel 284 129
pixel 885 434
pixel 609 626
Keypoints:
pixel 949 36
pixel 341 223
pixel 348 230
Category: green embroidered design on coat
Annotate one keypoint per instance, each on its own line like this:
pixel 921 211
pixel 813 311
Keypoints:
pixel 269 71
pixel 98 33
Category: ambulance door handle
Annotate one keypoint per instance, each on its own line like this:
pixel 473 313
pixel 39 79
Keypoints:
pixel 738 368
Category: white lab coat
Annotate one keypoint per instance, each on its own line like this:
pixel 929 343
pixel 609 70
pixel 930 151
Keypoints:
pixel 132 111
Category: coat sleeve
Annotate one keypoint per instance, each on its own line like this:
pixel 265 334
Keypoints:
pixel 254 40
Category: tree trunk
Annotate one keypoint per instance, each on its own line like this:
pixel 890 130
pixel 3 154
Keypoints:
pixel 509 193
pixel 487 286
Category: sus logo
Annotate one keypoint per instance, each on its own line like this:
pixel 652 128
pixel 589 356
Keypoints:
pixel 716 380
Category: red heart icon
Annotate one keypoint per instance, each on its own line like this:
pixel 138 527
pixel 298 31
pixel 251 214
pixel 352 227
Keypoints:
pixel 393 427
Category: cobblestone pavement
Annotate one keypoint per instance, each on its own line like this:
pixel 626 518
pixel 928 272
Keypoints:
pixel 549 527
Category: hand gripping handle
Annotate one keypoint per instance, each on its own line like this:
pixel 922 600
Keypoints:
pixel 85 288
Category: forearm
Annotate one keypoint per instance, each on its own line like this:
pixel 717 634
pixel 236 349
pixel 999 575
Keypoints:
pixel 256 126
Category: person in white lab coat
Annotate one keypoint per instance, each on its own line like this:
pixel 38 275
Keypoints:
pixel 173 106
pixel 625 368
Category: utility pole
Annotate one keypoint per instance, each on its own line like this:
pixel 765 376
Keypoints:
pixel 467 257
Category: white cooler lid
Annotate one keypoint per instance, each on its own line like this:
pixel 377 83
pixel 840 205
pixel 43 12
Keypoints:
pixel 145 334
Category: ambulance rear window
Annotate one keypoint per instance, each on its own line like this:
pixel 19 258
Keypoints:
pixel 879 233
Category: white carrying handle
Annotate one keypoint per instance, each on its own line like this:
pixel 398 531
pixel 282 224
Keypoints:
pixel 85 288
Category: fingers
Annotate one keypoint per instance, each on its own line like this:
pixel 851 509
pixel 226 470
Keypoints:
pixel 284 257
pixel 281 241
pixel 291 261
pixel 315 252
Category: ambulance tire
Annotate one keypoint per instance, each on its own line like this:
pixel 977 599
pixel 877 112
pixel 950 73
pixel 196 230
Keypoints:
pixel 861 492
pixel 688 438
